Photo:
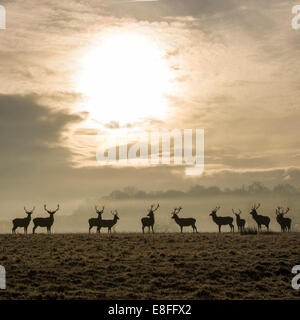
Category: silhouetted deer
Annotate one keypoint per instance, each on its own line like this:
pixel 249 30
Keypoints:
pixel 183 222
pixel 149 220
pixel 285 223
pixel 108 223
pixel 45 222
pixel 222 221
pixel 94 222
pixel 240 222
pixel 22 222
pixel 260 220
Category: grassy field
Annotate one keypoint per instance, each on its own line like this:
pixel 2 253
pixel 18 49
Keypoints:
pixel 160 266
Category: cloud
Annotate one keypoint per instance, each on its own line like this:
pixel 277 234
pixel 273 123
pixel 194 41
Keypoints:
pixel 30 132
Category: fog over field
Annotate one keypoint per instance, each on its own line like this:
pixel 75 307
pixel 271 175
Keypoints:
pixel 132 204
pixel 131 212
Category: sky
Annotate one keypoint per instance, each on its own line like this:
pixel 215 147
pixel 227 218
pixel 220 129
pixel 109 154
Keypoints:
pixel 74 70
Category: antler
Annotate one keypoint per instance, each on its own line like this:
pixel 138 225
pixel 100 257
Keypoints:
pixel 116 213
pixel 29 211
pixel 257 206
pixel 179 209
pixel 45 207
pixel 287 210
pixel 156 207
pixel 240 211
pixel 112 212
pixel 97 210
pixel 233 211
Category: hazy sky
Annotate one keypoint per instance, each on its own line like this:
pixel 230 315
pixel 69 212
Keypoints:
pixel 72 68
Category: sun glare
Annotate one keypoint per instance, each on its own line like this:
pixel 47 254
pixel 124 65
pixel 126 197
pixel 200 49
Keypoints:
pixel 125 78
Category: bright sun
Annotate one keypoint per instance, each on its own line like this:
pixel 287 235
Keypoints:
pixel 125 78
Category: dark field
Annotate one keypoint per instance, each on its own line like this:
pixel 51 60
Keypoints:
pixel 160 266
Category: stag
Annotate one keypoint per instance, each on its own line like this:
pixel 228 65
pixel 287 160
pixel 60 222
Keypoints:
pixel 108 223
pixel 94 222
pixel 285 223
pixel 45 222
pixel 149 220
pixel 260 220
pixel 183 222
pixel 240 222
pixel 222 221
pixel 22 222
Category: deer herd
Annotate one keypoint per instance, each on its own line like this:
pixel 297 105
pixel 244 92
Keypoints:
pixel 148 221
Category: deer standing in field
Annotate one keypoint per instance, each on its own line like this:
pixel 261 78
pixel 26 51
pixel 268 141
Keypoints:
pixel 285 223
pixel 45 222
pixel 94 222
pixel 260 220
pixel 240 222
pixel 149 220
pixel 22 222
pixel 222 221
pixel 183 222
pixel 108 223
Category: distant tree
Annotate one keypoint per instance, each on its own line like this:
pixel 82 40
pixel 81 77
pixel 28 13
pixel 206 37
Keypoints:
pixel 131 192
pixel 173 194
pixel 196 190
pixel 213 190
pixel 285 189
pixel 140 195
pixel 257 188
pixel 116 195
pixel 240 191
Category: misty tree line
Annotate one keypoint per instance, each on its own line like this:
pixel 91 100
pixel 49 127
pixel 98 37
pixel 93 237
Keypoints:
pixel 256 188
